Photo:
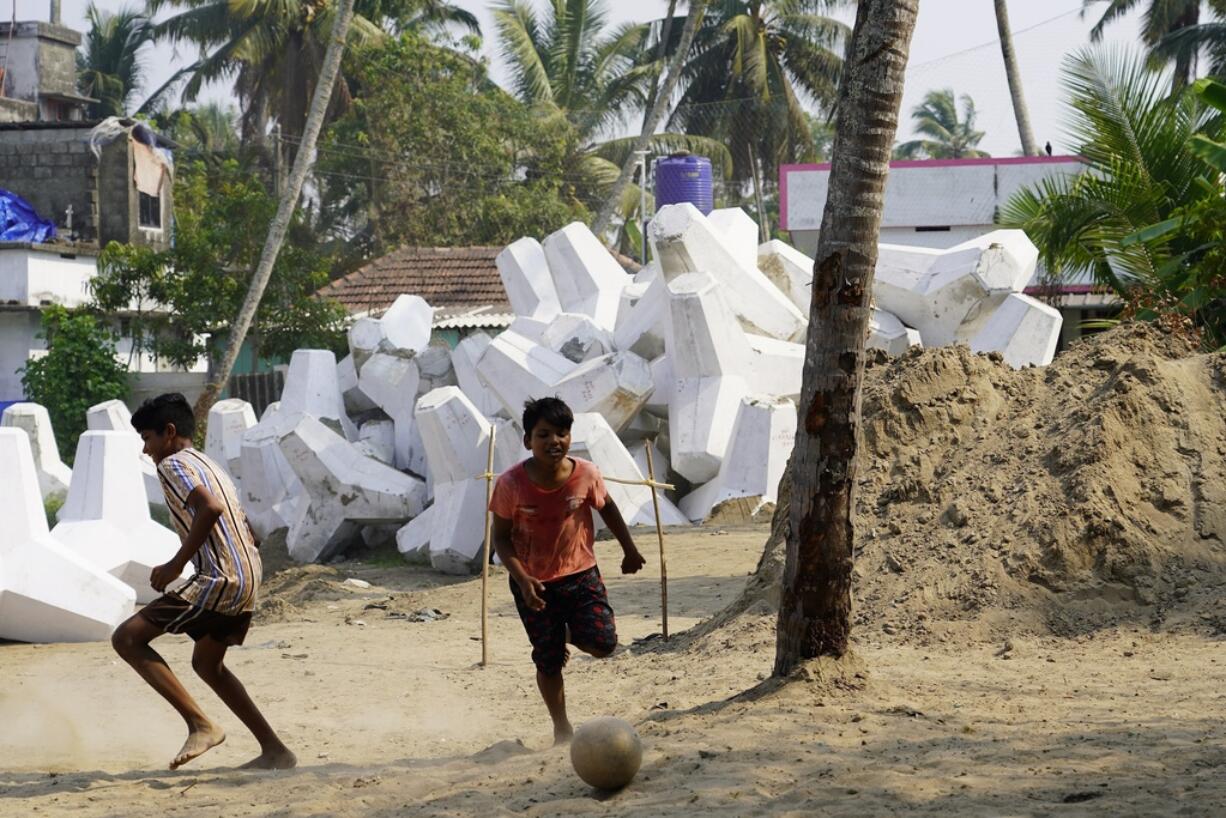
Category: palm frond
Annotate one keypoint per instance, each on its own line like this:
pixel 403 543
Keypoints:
pixel 524 49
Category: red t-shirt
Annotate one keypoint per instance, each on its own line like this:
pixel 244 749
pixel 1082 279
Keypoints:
pixel 552 530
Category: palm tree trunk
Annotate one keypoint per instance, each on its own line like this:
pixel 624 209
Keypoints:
pixel 285 209
pixel 657 113
pixel 1020 112
pixel 759 197
pixel 661 48
pixel 815 609
pixel 1185 62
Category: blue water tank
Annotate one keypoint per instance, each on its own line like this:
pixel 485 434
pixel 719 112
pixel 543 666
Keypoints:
pixel 683 177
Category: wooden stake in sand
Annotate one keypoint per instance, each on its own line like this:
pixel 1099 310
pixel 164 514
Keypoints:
pixel 485 551
pixel 655 503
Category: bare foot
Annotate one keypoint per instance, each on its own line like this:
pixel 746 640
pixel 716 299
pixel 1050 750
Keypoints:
pixel 275 758
pixel 199 741
pixel 563 735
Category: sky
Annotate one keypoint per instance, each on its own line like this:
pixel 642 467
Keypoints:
pixel 954 46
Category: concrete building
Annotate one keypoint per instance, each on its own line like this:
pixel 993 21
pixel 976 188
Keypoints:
pixel 39 61
pixel 940 203
pixel 97 181
pixel 122 193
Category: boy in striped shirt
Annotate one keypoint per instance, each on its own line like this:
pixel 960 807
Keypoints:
pixel 214 607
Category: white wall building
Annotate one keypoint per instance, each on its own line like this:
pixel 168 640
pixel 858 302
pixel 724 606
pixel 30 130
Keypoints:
pixel 941 203
pixel 35 276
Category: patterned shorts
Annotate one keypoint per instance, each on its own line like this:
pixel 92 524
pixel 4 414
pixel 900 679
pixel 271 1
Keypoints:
pixel 580 601
pixel 173 614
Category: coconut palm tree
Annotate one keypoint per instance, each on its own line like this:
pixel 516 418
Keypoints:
pixel 1021 114
pixel 1204 38
pixel 568 64
pixel 1142 167
pixel 210 129
pixel 271 49
pixel 948 134
pixel 755 67
pixel 815 603
pixel 109 65
pixel 1161 18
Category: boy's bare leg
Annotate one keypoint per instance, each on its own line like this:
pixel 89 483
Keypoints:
pixel 554 693
pixel 131 641
pixel 208 660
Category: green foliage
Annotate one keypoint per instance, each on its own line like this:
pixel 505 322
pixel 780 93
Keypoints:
pixel 52 506
pixel 1145 217
pixel 78 371
pixel 571 68
pixel 751 66
pixel 272 50
pixel 1171 31
pixel 948 135
pixel 222 213
pixel 432 153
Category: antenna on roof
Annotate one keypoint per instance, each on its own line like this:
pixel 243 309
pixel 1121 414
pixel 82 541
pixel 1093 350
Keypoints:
pixel 55 12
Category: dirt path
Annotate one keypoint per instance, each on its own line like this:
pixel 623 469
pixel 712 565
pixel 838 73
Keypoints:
pixel 390 716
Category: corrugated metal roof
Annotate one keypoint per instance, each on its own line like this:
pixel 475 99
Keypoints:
pixel 480 318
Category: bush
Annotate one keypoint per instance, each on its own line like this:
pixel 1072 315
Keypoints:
pixel 78 371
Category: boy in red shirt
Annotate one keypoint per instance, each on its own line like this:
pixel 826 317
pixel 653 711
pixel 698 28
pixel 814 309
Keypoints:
pixel 544 533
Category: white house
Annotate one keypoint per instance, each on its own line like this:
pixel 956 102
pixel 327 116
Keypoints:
pixel 35 276
pixel 941 203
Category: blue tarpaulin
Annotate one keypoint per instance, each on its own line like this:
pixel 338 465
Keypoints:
pixel 20 222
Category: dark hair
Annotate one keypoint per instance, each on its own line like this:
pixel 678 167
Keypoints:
pixel 551 410
pixel 155 413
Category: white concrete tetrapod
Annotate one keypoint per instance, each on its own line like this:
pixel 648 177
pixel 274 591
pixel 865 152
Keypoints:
pixel 270 489
pixel 33 419
pixel 47 592
pixel 229 420
pixel 762 440
pixel 527 281
pixel 344 490
pixel 403 330
pixel 516 369
pixel 739 233
pixel 464 360
pixel 113 415
pixel 1023 330
pixel 887 333
pixel 392 383
pixel 616 386
pixel 312 387
pixel 106 517
pixel 788 269
pixel 456 437
pixel 938 291
pixel 685 242
pixel 708 354
pixel 587 278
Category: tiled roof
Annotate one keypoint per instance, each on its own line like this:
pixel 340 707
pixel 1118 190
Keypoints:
pixel 446 277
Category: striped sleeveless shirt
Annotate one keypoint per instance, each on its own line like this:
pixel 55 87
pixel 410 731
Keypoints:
pixel 228 567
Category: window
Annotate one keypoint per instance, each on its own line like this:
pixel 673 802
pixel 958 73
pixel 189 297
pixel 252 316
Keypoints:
pixel 933 229
pixel 150 210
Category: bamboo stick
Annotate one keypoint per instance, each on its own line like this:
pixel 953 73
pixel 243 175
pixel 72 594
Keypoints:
pixel 485 551
pixel 655 503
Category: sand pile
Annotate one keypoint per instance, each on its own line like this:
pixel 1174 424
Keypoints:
pixel 1074 496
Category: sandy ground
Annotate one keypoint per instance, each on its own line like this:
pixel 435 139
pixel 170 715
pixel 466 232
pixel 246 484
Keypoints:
pixel 392 717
